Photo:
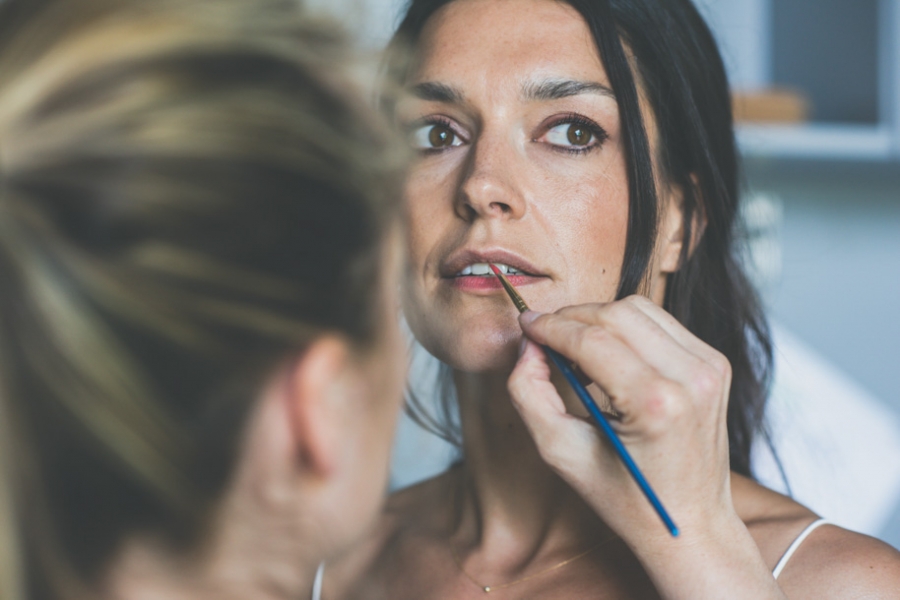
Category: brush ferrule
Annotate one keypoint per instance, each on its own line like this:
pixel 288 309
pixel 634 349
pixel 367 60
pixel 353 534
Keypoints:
pixel 513 294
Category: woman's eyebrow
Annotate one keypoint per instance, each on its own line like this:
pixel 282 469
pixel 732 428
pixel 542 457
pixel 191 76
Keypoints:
pixel 555 89
pixel 437 92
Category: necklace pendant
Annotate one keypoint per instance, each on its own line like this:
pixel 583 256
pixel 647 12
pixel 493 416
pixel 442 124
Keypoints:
pixel 487 589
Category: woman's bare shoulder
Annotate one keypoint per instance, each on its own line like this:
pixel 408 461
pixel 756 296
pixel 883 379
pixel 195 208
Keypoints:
pixel 836 563
pixel 832 562
pixel 408 512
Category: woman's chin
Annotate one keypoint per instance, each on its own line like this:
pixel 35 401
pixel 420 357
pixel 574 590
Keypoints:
pixel 480 350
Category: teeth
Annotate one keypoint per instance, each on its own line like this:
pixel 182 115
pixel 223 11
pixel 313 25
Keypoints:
pixel 482 269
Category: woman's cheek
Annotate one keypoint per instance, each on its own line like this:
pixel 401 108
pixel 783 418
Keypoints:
pixel 590 231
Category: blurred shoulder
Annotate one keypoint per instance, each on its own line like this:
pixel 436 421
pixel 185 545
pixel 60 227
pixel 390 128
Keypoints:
pixel 831 562
pixel 410 514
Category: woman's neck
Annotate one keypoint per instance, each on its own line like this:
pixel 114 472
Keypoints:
pixel 144 571
pixel 248 554
pixel 508 496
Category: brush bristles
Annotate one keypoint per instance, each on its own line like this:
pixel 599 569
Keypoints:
pixel 513 294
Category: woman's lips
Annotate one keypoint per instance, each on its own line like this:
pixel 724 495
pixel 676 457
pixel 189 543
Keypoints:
pixel 468 270
pixel 474 283
pixel 460 260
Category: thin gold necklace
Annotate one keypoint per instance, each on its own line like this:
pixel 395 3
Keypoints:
pixel 490 588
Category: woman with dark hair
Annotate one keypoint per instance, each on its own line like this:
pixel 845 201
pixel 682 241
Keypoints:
pixel 200 360
pixel 586 146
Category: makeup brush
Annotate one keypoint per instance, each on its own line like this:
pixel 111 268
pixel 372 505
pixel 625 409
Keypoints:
pixel 565 366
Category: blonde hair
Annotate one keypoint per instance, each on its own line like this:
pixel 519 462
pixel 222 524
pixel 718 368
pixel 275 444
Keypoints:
pixel 187 196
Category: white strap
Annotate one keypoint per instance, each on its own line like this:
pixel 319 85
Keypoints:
pixel 793 547
pixel 317 582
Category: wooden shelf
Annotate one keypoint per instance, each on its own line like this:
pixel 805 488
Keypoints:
pixel 852 82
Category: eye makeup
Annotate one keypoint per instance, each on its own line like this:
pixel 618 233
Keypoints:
pixel 572 133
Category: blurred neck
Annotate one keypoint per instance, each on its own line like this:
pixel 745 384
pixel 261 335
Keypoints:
pixel 509 497
pixel 247 557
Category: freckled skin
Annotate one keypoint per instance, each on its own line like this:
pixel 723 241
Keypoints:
pixel 498 177
pixel 507 186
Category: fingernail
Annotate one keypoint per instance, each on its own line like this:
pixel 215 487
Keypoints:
pixel 522 345
pixel 528 316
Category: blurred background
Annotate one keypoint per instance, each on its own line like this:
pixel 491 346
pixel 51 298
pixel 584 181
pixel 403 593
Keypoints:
pixel 817 95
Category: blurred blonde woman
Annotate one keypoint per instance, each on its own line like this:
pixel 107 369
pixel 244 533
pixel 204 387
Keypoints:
pixel 199 361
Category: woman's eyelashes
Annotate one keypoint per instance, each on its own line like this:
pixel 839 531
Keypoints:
pixel 570 133
pixel 434 134
pixel 574 134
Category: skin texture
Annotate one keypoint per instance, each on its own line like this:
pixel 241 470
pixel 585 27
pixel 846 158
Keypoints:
pixel 514 182
pixel 311 476
pixel 497 178
pixel 507 191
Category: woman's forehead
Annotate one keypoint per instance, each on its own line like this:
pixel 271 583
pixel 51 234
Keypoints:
pixel 524 42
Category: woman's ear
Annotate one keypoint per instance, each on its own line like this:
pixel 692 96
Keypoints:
pixel 315 407
pixel 671 228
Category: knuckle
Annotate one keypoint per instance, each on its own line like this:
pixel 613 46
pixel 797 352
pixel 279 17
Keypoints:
pixel 721 364
pixel 612 317
pixel 706 381
pixel 638 300
pixel 638 304
pixel 664 401
pixel 621 310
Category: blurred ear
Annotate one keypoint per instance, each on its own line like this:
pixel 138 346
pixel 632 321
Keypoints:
pixel 671 229
pixel 315 389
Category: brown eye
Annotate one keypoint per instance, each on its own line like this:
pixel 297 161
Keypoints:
pixel 440 136
pixel 578 135
pixel 433 136
pixel 575 134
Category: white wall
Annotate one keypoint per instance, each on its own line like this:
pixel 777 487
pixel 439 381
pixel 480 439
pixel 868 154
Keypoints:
pixel 372 21
pixel 742 29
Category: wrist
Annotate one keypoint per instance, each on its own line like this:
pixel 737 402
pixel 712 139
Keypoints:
pixel 704 561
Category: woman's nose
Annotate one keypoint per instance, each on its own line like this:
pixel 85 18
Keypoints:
pixel 491 187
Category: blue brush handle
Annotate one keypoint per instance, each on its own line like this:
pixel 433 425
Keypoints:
pixel 563 365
